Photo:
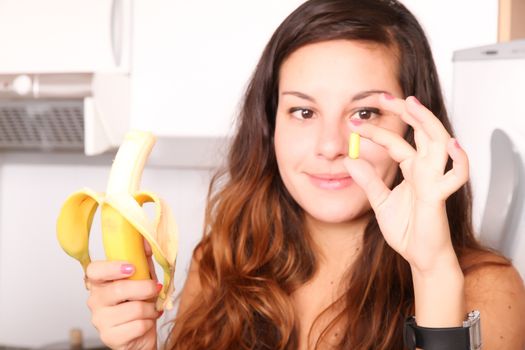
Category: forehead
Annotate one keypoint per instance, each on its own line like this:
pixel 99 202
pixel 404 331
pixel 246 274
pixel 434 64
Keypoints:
pixel 351 63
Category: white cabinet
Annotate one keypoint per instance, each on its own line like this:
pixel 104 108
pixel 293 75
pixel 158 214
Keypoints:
pixel 61 36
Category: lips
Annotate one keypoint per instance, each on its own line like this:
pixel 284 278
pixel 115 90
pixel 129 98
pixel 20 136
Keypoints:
pixel 331 181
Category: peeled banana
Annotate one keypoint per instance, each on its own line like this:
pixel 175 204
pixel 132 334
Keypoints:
pixel 125 224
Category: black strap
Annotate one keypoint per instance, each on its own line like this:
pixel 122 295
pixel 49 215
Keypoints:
pixel 452 338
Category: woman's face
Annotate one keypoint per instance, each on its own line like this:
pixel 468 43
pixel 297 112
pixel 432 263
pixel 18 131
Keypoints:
pixel 322 87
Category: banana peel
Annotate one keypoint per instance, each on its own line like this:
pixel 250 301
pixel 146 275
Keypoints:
pixel 124 221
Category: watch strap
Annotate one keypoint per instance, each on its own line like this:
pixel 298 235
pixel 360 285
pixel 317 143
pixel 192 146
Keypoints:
pixel 451 338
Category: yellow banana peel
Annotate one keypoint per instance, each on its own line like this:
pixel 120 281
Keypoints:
pixel 124 220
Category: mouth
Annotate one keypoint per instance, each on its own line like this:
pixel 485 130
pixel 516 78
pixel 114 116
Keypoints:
pixel 331 181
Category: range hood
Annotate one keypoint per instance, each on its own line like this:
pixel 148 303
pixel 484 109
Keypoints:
pixel 64 74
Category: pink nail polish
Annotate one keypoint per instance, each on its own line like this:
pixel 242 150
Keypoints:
pixel 388 96
pixel 456 143
pixel 416 100
pixel 159 287
pixel 127 269
pixel 356 122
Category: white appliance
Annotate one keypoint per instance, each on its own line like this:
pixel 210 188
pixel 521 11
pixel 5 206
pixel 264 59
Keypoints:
pixel 488 115
pixel 64 74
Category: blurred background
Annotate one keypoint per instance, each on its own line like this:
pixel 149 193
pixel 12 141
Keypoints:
pixel 75 75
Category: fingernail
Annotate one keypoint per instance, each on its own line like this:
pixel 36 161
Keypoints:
pixel 356 122
pixel 416 100
pixel 456 143
pixel 127 269
pixel 388 96
pixel 161 312
pixel 159 287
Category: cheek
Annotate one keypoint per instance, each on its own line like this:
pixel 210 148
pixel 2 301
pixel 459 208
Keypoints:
pixel 282 143
pixel 290 145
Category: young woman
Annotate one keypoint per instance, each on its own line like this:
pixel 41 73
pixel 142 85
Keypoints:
pixel 305 248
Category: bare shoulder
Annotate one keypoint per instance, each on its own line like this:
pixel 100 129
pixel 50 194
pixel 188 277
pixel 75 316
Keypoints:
pixel 498 291
pixel 192 286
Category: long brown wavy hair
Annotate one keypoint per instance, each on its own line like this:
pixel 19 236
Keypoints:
pixel 256 249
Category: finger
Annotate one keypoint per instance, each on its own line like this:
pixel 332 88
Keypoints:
pixel 398 107
pixel 398 148
pixel 122 290
pixel 149 253
pixel 459 174
pixel 147 247
pixel 365 176
pixel 116 336
pixel 105 271
pixel 152 272
pixel 431 125
pixel 132 290
pixel 123 313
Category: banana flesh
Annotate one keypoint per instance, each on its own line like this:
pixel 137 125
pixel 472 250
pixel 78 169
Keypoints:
pixel 125 223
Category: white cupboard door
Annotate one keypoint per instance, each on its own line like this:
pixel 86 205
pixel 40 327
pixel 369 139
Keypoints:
pixel 64 36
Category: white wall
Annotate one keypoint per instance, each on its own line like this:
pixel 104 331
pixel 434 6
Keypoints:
pixel 199 61
pixel 41 290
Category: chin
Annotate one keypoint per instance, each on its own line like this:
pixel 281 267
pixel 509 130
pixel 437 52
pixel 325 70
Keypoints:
pixel 335 215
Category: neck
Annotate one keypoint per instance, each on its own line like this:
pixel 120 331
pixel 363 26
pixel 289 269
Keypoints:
pixel 337 244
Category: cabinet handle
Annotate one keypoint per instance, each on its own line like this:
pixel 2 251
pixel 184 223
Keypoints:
pixel 117 31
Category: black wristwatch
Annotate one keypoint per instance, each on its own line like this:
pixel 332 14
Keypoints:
pixel 467 337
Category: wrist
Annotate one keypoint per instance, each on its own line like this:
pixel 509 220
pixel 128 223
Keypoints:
pixel 439 295
pixel 443 263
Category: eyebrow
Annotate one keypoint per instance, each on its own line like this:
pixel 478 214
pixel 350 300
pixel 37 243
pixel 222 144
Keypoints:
pixel 359 96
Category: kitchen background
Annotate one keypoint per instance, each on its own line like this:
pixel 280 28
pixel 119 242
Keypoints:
pixel 185 64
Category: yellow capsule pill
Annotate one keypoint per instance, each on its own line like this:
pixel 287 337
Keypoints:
pixel 353 145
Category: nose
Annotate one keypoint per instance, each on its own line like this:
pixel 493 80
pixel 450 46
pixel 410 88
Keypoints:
pixel 332 140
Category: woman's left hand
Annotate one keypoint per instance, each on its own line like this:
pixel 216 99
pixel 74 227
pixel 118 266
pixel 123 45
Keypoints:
pixel 412 216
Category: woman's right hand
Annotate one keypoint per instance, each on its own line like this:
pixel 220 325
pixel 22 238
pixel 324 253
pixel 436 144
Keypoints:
pixel 123 310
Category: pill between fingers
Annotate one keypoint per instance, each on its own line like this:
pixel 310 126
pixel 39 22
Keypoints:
pixel 353 145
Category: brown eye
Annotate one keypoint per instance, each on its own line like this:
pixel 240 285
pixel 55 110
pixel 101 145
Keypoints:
pixel 302 113
pixel 366 114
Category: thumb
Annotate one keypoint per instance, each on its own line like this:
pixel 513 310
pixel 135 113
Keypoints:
pixel 366 177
